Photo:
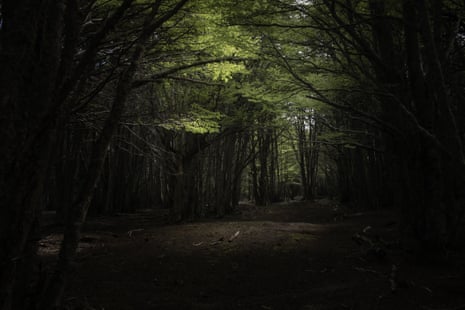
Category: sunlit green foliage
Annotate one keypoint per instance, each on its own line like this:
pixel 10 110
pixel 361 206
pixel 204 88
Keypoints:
pixel 198 120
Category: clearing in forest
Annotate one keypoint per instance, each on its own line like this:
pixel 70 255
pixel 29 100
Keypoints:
pixel 288 256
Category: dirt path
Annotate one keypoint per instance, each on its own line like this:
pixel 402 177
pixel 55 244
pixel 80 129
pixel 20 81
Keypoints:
pixel 280 257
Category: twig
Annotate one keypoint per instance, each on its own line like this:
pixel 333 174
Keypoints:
pixel 234 236
pixel 131 232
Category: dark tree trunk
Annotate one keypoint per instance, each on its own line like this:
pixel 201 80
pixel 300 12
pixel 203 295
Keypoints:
pixel 30 42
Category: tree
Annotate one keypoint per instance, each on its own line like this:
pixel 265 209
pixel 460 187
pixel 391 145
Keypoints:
pixel 397 55
pixel 65 47
pixel 38 76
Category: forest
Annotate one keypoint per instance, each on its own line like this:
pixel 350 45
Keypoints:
pixel 202 154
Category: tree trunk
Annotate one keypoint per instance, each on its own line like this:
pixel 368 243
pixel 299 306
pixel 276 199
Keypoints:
pixel 77 215
pixel 30 41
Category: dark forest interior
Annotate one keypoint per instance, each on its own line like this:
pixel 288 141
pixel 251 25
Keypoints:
pixel 202 154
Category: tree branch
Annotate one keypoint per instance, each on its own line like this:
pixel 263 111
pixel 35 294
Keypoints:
pixel 168 72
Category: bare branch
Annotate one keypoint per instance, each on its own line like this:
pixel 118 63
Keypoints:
pixel 168 72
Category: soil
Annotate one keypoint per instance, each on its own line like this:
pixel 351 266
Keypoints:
pixel 285 256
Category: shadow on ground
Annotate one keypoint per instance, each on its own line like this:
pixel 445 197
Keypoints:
pixel 295 256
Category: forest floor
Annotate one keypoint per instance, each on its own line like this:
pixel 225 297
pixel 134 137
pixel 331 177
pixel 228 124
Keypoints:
pixel 285 256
